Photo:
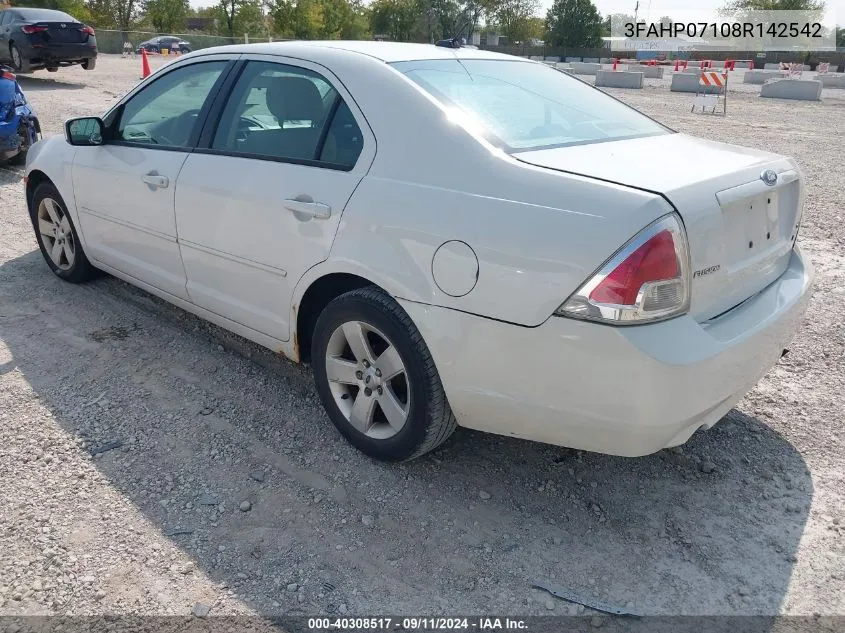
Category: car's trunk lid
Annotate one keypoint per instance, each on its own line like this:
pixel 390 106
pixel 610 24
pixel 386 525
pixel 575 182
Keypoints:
pixel 741 230
pixel 58 33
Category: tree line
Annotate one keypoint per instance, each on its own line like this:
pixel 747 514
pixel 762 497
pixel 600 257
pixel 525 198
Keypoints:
pixel 568 23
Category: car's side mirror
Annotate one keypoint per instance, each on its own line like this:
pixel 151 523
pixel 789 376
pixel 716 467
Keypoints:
pixel 85 131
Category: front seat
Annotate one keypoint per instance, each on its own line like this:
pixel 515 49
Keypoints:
pixel 290 99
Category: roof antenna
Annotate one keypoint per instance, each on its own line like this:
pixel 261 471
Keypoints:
pixel 456 41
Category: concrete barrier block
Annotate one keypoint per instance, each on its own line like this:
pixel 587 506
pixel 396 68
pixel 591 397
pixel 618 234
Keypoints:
pixel 536 58
pixel 618 79
pixel 801 89
pixel 580 68
pixel 694 63
pixel 606 60
pixel 771 67
pixel 572 59
pixel 553 58
pixel 762 76
pixel 743 65
pixel 832 81
pixel 651 72
pixel 688 82
pixel 591 60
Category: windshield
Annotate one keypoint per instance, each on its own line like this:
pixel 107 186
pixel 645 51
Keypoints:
pixel 524 106
pixel 45 15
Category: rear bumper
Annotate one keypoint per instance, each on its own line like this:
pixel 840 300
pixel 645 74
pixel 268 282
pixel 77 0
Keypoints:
pixel 58 53
pixel 619 390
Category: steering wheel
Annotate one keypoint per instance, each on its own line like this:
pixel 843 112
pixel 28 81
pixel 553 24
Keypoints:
pixel 176 131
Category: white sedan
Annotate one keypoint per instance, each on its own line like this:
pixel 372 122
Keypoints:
pixel 450 236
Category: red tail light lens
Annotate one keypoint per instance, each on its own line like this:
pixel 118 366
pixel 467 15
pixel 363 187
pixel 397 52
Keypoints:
pixel 33 28
pixel 8 75
pixel 646 280
pixel 88 30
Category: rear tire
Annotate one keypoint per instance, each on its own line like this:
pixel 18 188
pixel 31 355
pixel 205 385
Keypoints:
pixel 57 237
pixel 405 414
pixel 52 69
pixel 88 64
pixel 19 62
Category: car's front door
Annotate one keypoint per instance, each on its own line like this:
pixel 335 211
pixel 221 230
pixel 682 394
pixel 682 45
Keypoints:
pixel 259 201
pixel 125 188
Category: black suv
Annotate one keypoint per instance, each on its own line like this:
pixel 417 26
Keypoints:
pixel 31 39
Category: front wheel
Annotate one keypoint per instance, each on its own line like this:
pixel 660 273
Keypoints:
pixel 57 237
pixel 376 377
pixel 89 64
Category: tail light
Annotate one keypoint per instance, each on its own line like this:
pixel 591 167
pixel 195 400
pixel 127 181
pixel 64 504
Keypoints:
pixel 7 75
pixel 29 29
pixel 646 280
pixel 88 30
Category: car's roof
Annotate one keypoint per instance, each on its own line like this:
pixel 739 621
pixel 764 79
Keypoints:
pixel 385 51
pixel 43 14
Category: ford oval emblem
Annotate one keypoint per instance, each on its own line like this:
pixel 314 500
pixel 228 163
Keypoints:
pixel 769 176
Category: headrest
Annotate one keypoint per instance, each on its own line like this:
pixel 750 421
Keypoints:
pixel 294 99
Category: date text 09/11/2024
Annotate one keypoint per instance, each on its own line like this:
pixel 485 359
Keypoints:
pixel 417 624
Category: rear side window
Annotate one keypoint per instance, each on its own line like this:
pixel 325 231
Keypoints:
pixel 287 113
pixel 165 112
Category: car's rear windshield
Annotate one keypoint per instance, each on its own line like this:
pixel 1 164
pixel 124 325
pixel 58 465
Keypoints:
pixel 524 106
pixel 44 15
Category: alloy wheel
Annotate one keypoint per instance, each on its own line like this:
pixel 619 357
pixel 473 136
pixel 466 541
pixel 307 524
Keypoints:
pixel 368 379
pixel 56 234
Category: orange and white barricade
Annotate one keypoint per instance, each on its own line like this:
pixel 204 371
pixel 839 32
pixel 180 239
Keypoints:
pixel 712 90
pixel 795 71
pixel 823 68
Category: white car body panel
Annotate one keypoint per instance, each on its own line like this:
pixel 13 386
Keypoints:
pixel 130 224
pixel 538 224
pixel 243 248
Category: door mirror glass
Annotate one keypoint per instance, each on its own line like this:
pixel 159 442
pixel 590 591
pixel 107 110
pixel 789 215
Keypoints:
pixel 85 131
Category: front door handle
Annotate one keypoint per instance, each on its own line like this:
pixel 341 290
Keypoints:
pixel 305 205
pixel 155 180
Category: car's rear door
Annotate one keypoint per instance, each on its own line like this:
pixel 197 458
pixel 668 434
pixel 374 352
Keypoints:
pixel 125 188
pixel 259 202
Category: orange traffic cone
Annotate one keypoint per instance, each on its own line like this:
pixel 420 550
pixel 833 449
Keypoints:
pixel 145 64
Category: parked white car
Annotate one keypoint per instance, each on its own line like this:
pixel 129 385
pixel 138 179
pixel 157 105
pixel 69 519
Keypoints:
pixel 452 237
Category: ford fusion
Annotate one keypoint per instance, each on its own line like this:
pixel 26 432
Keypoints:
pixel 450 237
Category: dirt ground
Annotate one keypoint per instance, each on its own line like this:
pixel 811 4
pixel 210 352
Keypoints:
pixel 132 433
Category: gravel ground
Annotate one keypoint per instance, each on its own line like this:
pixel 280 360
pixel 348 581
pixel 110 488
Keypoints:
pixel 151 463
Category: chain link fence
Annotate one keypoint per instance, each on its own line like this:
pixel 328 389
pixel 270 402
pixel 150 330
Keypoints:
pixel 119 42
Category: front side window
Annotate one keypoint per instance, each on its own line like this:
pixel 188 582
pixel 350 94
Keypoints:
pixel 165 112
pixel 523 106
pixel 287 112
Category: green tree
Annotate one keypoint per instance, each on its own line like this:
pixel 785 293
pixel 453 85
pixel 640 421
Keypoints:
pixel 358 25
pixel 840 37
pixel 76 8
pixel 574 24
pixel 774 5
pixel 394 18
pixel 166 16
pixel 115 14
pixel 513 17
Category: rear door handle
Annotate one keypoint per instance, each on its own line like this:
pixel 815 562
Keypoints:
pixel 155 180
pixel 305 205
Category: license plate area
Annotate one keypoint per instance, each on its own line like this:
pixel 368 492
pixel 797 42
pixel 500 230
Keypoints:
pixel 759 223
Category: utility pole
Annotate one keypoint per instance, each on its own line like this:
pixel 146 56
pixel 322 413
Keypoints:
pixel 636 9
